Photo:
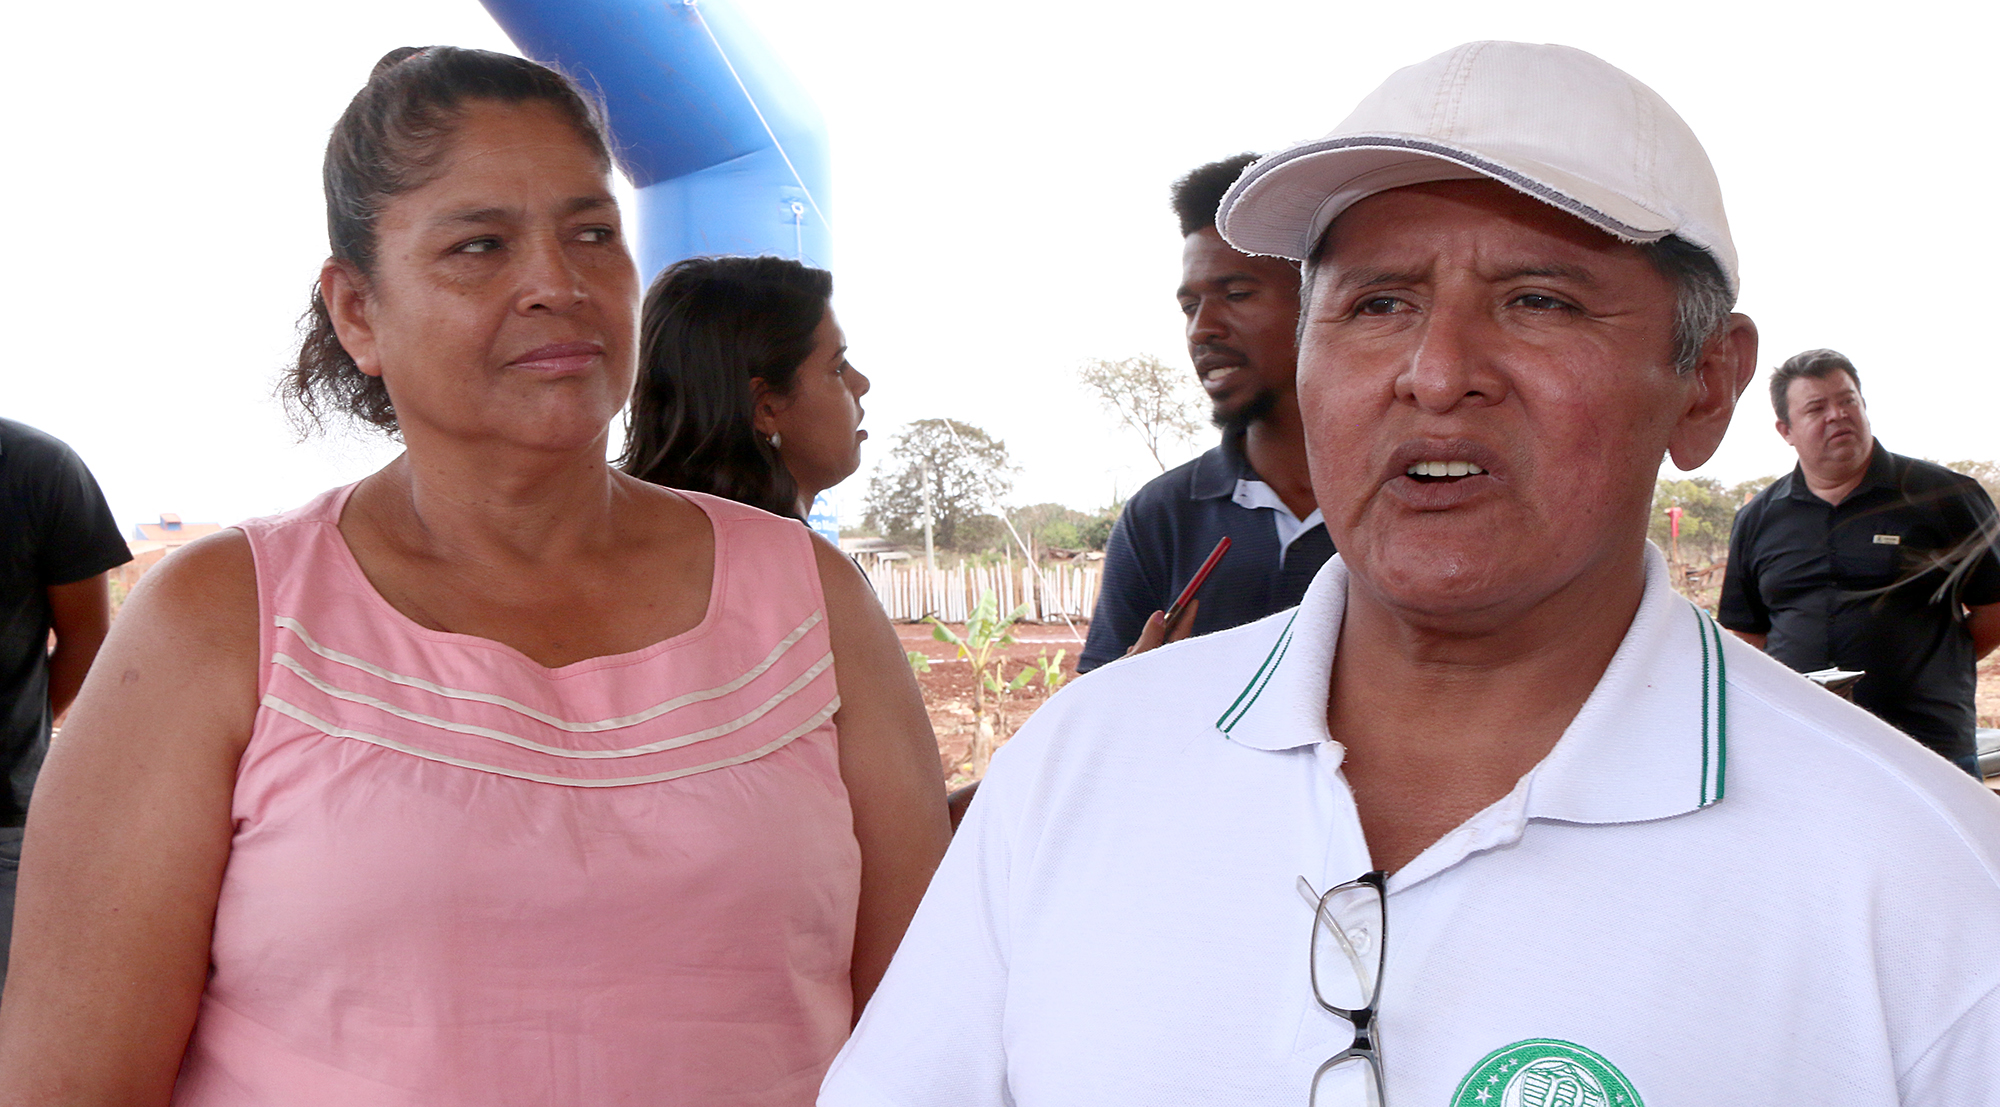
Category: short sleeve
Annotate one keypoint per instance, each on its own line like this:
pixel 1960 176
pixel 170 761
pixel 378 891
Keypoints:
pixel 78 538
pixel 1742 606
pixel 1982 577
pixel 932 1033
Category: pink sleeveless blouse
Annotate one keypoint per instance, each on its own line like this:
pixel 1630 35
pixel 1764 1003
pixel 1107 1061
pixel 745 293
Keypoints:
pixel 460 878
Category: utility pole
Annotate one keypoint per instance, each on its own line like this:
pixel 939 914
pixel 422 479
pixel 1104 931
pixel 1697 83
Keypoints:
pixel 930 555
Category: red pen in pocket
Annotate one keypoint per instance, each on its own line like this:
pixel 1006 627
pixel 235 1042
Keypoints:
pixel 1181 601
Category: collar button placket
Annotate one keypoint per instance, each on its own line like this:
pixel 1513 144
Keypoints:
pixel 1342 827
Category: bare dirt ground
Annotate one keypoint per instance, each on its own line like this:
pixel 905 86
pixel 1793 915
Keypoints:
pixel 948 687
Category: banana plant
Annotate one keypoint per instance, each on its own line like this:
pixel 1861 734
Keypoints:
pixel 1050 669
pixel 986 637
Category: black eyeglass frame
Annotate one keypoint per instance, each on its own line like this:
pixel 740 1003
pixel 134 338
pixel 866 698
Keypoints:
pixel 1362 1018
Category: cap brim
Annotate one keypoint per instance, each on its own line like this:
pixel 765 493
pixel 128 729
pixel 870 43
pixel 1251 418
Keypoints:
pixel 1281 205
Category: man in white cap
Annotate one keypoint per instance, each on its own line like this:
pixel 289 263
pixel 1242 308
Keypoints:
pixel 1494 818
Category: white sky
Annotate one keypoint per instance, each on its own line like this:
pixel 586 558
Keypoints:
pixel 999 204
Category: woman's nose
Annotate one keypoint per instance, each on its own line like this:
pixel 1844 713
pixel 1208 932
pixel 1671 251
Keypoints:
pixel 549 281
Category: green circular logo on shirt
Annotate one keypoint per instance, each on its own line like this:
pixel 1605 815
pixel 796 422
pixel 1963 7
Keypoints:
pixel 1543 1072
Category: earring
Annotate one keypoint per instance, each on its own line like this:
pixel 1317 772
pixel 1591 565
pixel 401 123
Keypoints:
pixel 774 440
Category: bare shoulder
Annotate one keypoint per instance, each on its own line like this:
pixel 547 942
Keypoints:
pixel 840 579
pixel 207 589
pixel 186 642
pixel 128 839
pixel 888 761
pixel 851 606
pixel 875 680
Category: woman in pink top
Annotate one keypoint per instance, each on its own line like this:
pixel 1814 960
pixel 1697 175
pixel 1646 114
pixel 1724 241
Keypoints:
pixel 498 777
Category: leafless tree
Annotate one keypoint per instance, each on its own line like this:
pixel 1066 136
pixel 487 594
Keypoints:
pixel 1161 403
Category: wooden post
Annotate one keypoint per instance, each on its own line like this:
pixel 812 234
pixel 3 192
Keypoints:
pixel 930 555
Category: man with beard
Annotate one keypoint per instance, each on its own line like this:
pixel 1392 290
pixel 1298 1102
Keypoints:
pixel 1242 332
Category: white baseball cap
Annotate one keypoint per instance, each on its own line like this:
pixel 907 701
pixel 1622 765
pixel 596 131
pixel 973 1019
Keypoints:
pixel 1560 125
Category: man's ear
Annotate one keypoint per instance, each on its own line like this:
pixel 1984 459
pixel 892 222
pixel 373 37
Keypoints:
pixel 346 295
pixel 1719 378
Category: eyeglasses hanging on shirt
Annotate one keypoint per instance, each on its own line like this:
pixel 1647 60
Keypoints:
pixel 1349 940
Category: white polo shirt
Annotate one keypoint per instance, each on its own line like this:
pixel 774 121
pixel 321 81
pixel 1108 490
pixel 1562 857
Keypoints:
pixel 1713 893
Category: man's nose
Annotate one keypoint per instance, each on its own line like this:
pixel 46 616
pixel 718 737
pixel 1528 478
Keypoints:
pixel 1206 323
pixel 1452 363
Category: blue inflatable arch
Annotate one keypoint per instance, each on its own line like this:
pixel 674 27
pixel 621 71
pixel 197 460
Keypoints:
pixel 728 154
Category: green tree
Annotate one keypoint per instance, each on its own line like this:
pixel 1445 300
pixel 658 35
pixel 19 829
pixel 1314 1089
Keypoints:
pixel 1060 535
pixel 969 475
pixel 1159 403
pixel 1096 534
pixel 1740 494
pixel 982 535
pixel 1051 526
pixel 1707 510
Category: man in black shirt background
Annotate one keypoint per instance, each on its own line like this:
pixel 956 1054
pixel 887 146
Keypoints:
pixel 1866 560
pixel 57 542
pixel 1242 316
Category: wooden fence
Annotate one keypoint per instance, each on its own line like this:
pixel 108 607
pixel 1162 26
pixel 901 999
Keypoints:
pixel 910 592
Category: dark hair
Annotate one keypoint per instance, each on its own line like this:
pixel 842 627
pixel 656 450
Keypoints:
pixel 1817 364
pixel 390 140
pixel 1197 195
pixel 708 327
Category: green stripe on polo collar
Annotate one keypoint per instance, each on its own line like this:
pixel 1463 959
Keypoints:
pixel 1259 680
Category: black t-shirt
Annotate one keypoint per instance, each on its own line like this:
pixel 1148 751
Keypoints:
pixel 55 528
pixel 1855 586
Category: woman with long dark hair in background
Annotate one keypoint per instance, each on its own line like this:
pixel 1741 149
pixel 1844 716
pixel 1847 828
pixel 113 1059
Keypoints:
pixel 745 390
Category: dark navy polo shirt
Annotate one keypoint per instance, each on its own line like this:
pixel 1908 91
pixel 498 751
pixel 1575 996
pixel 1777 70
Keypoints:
pixel 1855 585
pixel 1169 527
